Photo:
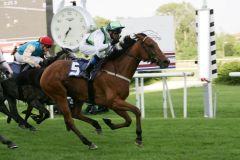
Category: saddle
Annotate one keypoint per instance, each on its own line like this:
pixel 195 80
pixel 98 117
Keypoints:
pixel 18 68
pixel 77 69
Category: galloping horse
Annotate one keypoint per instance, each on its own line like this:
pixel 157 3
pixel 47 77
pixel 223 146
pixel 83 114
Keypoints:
pixel 26 88
pixel 111 85
pixel 4 69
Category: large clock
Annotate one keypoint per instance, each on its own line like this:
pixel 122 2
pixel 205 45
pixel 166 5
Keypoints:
pixel 69 25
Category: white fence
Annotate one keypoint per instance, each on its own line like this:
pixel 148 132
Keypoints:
pixel 139 86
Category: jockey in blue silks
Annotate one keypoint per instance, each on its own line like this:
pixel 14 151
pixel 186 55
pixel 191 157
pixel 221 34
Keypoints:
pixel 33 52
pixel 99 43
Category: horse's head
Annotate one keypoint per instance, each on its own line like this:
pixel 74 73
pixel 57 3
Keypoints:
pixel 64 54
pixel 148 50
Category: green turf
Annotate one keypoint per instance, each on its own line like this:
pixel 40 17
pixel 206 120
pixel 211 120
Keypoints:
pixel 194 138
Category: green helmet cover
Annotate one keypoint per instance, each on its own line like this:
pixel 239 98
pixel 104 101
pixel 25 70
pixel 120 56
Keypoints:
pixel 113 26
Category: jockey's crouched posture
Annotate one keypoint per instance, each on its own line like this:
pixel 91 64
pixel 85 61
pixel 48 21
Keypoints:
pixel 33 52
pixel 100 43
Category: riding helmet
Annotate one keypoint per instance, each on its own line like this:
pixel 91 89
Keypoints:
pixel 46 40
pixel 115 26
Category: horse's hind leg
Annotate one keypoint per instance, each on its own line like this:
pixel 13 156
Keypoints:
pixel 76 113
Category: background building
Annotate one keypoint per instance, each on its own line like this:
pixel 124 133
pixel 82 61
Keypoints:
pixel 22 19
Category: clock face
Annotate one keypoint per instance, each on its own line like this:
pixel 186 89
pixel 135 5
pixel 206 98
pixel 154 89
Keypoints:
pixel 68 27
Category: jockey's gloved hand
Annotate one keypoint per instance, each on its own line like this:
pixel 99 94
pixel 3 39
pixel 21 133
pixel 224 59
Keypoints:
pixel 8 74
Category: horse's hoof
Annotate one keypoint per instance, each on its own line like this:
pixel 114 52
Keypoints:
pixel 38 122
pixel 138 143
pixel 99 131
pixel 32 128
pixel 92 146
pixel 22 126
pixel 12 145
pixel 9 119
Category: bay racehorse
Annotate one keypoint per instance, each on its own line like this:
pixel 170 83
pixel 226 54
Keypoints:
pixel 111 85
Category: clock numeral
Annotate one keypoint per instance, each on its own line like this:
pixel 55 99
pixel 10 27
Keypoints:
pixel 59 37
pixel 57 29
pixel 59 21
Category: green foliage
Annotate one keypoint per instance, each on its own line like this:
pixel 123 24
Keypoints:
pixel 227 45
pixel 225 69
pixel 100 21
pixel 184 14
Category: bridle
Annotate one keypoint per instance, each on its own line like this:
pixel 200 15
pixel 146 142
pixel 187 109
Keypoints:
pixel 151 53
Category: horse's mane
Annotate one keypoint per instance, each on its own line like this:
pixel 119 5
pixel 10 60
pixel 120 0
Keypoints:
pixel 125 44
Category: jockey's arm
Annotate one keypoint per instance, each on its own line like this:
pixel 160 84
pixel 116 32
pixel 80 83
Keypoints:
pixel 101 48
pixel 95 49
pixel 27 56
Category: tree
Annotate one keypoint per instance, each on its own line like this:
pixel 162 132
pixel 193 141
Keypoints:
pixel 184 16
pixel 100 21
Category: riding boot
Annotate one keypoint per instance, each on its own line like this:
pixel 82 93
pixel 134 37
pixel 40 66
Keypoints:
pixel 90 66
pixel 88 70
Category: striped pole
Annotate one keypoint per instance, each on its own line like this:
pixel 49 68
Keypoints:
pixel 207 64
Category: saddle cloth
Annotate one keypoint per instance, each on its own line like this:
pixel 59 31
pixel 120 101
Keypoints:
pixel 79 65
pixel 18 67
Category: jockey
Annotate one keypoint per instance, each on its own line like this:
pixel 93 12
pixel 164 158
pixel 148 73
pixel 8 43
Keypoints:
pixel 5 65
pixel 99 43
pixel 33 52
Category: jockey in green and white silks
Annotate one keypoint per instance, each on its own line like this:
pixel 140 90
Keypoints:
pixel 33 51
pixel 99 43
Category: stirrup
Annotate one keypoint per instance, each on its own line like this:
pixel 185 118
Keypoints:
pixel 85 75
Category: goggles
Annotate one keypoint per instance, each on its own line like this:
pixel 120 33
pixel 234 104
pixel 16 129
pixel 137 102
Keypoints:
pixel 47 46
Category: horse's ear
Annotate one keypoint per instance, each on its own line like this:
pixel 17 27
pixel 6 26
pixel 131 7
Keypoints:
pixel 135 36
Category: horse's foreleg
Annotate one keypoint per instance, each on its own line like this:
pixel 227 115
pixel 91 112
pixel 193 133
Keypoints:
pixel 28 112
pixel 121 105
pixel 123 114
pixel 9 143
pixel 76 113
pixel 4 109
pixel 43 112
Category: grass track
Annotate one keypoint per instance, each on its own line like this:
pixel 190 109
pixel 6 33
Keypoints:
pixel 195 138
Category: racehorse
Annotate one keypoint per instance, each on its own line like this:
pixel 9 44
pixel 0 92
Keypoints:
pixel 4 74
pixel 27 89
pixel 111 85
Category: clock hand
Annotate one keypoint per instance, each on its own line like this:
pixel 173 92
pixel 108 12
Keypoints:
pixel 67 32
